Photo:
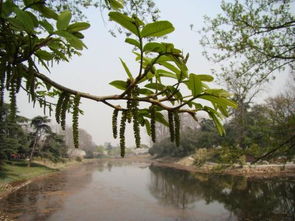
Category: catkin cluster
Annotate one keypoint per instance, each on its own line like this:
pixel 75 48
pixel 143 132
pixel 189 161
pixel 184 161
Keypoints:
pixel 122 132
pixel 134 110
pixel 153 123
pixel 76 120
pixel 174 126
pixel 61 109
pixel 114 123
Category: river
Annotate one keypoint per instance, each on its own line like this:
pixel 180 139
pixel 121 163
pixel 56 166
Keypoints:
pixel 130 191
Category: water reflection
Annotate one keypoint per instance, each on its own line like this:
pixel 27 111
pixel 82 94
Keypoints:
pixel 248 199
pixel 120 190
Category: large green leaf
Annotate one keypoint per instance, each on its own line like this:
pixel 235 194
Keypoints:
pixel 169 66
pixel 63 20
pixel 24 19
pixel 219 100
pixel 78 26
pixel 73 40
pixel 195 85
pixel 205 77
pixel 124 21
pixel 122 85
pixel 46 12
pixel 157 29
pixel 126 69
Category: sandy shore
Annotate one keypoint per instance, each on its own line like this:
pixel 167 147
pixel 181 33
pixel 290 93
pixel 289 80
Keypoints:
pixel 247 170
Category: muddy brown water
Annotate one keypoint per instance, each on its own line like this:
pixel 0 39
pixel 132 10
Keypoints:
pixel 128 191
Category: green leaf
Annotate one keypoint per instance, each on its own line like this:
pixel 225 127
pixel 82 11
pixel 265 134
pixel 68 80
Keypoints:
pixel 126 69
pixel 132 42
pixel 216 120
pixel 45 55
pixel 154 47
pixel 124 21
pixel 170 66
pixel 164 73
pixel 78 26
pixel 116 4
pixel 161 119
pixel 24 19
pixel 205 77
pixel 47 26
pixel 219 100
pixel 157 29
pixel 63 20
pixel 195 85
pixel 145 91
pixel 73 40
pixel 155 86
pixel 122 85
pixel 218 92
pixel 46 12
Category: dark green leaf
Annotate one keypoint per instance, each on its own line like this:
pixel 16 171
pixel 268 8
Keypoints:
pixel 73 40
pixel 155 86
pixel 154 47
pixel 47 26
pixel 25 19
pixel 45 55
pixel 122 85
pixel 157 29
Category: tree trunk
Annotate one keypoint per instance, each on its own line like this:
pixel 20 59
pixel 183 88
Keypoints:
pixel 33 150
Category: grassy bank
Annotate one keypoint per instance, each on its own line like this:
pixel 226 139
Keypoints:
pixel 14 174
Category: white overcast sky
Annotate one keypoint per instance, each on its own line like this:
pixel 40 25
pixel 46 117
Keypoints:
pixel 100 63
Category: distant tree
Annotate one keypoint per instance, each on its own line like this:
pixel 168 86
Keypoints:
pixel 54 147
pixel 40 127
pixel 13 137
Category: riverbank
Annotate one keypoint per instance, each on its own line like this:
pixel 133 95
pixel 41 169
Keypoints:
pixel 16 174
pixel 247 170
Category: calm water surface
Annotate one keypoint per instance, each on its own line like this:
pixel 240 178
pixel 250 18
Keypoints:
pixel 122 191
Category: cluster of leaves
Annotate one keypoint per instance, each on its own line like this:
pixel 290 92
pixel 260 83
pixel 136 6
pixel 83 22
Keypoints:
pixel 158 62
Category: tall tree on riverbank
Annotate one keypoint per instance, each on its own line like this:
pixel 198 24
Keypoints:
pixel 41 127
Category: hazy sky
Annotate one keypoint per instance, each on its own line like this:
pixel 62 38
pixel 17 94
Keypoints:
pixel 100 63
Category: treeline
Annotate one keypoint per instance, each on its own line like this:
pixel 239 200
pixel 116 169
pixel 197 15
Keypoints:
pixel 23 138
pixel 255 131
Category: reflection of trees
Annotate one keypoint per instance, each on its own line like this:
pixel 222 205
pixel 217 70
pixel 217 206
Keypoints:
pixel 248 199
pixel 173 187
